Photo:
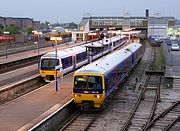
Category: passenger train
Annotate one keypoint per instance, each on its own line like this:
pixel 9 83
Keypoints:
pixel 93 83
pixel 72 58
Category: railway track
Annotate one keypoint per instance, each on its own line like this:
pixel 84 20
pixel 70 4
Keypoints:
pixel 18 64
pixel 81 121
pixel 5 67
pixel 117 106
pixel 144 109
pixel 145 116
pixel 169 119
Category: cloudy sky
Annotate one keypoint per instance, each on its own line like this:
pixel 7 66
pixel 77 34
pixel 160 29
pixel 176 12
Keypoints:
pixel 73 10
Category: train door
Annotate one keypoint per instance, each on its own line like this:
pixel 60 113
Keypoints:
pixel 74 62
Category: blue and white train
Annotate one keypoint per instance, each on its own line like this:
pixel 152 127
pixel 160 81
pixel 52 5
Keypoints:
pixel 93 83
pixel 72 58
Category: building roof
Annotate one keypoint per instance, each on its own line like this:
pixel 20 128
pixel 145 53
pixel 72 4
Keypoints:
pixel 84 21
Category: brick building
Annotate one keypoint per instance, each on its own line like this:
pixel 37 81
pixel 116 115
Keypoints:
pixel 36 25
pixel 20 22
pixel 2 20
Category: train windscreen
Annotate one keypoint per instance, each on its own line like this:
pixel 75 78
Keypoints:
pixel 88 84
pixel 49 64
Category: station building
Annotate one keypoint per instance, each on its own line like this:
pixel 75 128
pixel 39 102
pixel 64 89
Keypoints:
pixel 148 26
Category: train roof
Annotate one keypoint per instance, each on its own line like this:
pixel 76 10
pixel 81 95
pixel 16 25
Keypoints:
pixel 101 43
pixel 105 64
pixel 76 49
pixel 65 52
pixel 98 43
pixel 80 48
pixel 133 46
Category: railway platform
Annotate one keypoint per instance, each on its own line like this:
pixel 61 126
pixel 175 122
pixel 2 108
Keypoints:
pixel 32 53
pixel 19 112
pixel 35 105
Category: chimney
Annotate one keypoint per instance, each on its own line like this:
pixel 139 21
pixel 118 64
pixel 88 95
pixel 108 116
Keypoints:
pixel 147 13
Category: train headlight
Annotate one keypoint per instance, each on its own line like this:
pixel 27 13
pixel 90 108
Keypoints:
pixel 97 96
pixel 76 95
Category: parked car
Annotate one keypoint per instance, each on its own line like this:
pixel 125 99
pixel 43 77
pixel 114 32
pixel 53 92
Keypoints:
pixel 175 47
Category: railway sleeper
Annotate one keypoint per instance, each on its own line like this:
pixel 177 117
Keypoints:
pixel 156 72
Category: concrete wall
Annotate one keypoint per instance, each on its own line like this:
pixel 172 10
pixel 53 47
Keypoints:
pixel 55 121
pixel 8 93
pixel 20 38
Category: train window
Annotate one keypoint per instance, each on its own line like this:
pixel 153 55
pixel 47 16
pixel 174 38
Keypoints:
pixel 111 81
pixel 67 62
pixel 91 79
pixel 80 57
pixel 49 64
pixel 70 61
pixel 53 63
pixel 44 64
pixel 80 82
pixel 88 83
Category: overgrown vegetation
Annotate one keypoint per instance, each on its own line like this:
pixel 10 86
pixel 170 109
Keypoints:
pixel 159 60
pixel 13 29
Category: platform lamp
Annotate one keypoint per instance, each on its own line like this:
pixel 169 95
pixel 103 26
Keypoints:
pixel 36 42
pixel 6 33
pixel 56 39
pixel 67 41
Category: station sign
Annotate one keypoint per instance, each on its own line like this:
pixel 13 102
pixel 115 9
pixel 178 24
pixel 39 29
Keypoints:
pixel 55 38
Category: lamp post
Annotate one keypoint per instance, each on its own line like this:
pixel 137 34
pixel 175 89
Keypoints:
pixel 56 39
pixel 36 43
pixel 56 68
pixel 111 43
pixel 6 33
pixel 67 42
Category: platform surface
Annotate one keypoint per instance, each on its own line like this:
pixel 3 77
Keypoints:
pixel 17 113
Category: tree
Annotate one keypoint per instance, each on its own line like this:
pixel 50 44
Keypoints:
pixel 44 25
pixel 57 24
pixel 1 28
pixel 12 29
pixel 72 25
pixel 29 30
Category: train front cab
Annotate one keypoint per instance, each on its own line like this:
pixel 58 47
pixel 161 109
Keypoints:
pixel 47 68
pixel 88 90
